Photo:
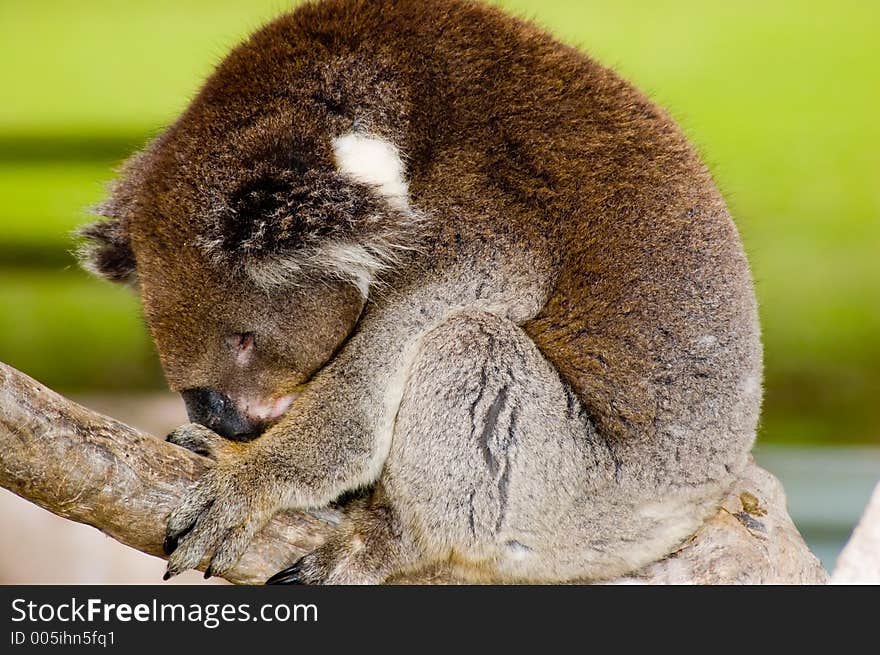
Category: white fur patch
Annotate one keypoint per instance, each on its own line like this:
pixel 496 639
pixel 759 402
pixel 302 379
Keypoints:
pixel 373 161
pixel 357 262
pixel 517 552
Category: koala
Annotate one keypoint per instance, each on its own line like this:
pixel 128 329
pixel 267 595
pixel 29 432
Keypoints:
pixel 422 255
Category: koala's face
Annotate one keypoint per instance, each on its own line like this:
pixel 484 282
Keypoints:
pixel 255 225
pixel 236 351
pixel 228 268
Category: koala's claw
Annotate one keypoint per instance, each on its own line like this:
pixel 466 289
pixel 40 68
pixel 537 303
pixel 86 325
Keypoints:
pixel 338 561
pixel 311 569
pixel 170 543
pixel 214 523
pixel 290 575
pixel 197 438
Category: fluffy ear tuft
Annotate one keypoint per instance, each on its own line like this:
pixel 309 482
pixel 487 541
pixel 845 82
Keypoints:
pixel 281 226
pixel 106 251
pixel 105 248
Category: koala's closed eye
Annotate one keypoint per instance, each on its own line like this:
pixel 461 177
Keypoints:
pixel 242 346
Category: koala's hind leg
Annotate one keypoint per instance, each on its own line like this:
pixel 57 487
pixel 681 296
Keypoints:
pixel 368 547
pixel 496 467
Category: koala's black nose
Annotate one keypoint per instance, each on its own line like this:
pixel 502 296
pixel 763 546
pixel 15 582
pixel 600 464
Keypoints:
pixel 217 412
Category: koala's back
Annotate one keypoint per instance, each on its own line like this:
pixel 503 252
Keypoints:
pixel 525 155
pixel 528 145
pixel 514 298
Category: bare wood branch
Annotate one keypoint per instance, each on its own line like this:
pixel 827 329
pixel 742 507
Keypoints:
pixel 92 469
pixel 95 470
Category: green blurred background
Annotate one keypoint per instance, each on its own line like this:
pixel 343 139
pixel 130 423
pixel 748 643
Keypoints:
pixel 782 98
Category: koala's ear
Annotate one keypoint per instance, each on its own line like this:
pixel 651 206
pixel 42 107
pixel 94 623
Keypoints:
pixel 105 248
pixel 106 251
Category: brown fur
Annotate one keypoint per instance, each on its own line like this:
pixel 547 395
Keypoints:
pixel 566 196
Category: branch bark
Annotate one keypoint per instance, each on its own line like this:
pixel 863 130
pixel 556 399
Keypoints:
pixel 95 470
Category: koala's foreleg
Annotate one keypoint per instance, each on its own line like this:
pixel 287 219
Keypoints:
pixel 335 438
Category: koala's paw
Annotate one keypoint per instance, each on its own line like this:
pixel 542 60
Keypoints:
pixel 216 519
pixel 197 438
pixel 339 561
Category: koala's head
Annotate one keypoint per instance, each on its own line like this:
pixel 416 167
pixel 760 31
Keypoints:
pixel 254 228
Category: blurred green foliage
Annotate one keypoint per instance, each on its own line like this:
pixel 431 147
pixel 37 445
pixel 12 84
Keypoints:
pixel 781 97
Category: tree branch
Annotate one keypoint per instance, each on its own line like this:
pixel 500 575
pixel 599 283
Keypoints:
pixel 92 469
pixel 95 470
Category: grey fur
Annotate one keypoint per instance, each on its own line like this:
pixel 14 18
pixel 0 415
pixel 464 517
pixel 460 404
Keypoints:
pixel 550 367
